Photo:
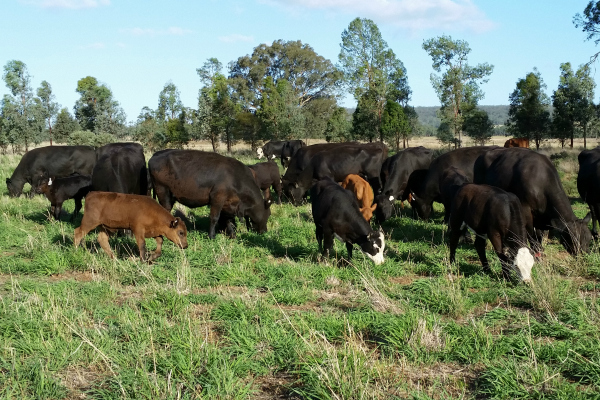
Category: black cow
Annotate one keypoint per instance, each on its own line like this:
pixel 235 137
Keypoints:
pixel 266 175
pixel 57 161
pixel 496 215
pixel 290 148
pixel 534 179
pixel 336 214
pixel 395 172
pixel 337 162
pixel 588 183
pixel 426 189
pixel 271 149
pixel 197 178
pixel 121 168
pixel 58 190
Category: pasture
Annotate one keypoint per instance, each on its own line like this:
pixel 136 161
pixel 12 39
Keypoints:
pixel 266 317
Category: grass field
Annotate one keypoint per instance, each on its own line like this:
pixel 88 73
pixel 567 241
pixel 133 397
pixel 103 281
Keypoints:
pixel 265 317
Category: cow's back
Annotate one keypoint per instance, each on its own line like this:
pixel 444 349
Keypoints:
pixel 121 168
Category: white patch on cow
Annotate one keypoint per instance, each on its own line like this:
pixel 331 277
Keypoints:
pixel 378 258
pixel 49 181
pixel 273 157
pixel 391 198
pixel 288 158
pixel 523 263
pixel 260 153
pixel 464 225
pixel 338 238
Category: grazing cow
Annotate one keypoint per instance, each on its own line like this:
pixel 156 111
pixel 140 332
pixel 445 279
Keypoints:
pixel 335 162
pixel 425 187
pixel 266 175
pixel 198 178
pixel 517 142
pixel 143 215
pixel 395 173
pixel 450 182
pixel 534 179
pixel 271 149
pixel 290 148
pixel 57 161
pixel 58 190
pixel 336 214
pixel 496 215
pixel 121 168
pixel 363 192
pixel 588 183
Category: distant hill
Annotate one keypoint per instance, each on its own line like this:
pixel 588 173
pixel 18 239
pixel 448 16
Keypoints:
pixel 428 115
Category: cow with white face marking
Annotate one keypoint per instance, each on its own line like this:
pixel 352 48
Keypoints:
pixel 491 213
pixel 271 150
pixel 336 214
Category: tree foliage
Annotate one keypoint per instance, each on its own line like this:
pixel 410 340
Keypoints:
pixel 96 110
pixel 339 126
pixel 47 106
pixel 478 127
pixel 65 125
pixel 395 125
pixel 589 23
pixel 169 103
pixel 457 86
pixel 528 114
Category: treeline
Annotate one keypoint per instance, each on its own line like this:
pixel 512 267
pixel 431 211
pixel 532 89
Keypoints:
pixel 286 90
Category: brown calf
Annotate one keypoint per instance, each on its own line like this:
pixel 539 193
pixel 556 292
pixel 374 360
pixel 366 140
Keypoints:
pixel 517 142
pixel 363 192
pixel 143 215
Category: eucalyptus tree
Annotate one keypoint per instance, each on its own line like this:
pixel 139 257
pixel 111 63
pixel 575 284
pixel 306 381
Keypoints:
pixel 169 103
pixel 47 106
pixel 339 126
pixel 573 101
pixel 65 125
pixel 96 110
pixel 528 114
pixel 22 120
pixel 372 72
pixel 396 125
pixel 478 126
pixel 457 85
pixel 589 23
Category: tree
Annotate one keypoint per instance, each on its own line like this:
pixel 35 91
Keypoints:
pixel 573 102
pixel 247 127
pixel 528 114
pixel 365 120
pixel 589 23
pixel 65 125
pixel 395 124
pixel 280 116
pixel 339 126
pixel 371 70
pixel 96 110
pixel 458 85
pixel 48 107
pixel 477 126
pixel 22 120
pixel 169 103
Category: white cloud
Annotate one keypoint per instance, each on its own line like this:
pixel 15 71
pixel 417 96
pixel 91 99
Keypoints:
pixel 67 4
pixel 414 15
pixel 234 37
pixel 171 31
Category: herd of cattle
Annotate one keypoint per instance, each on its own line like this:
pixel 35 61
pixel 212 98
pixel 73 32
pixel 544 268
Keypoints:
pixel 510 195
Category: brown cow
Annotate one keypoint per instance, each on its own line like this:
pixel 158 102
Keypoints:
pixel 143 215
pixel 517 142
pixel 363 192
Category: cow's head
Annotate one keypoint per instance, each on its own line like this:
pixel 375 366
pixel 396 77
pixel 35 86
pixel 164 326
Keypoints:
pixel 367 212
pixel 177 233
pixel 13 188
pixel 575 236
pixel 293 191
pixel 374 246
pixel 259 216
pixel 422 208
pixel 385 207
pixel 260 153
pixel 44 185
pixel 523 263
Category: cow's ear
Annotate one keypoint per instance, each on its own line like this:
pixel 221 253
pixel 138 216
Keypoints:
pixel 373 207
pixel 412 195
pixel 586 220
pixel 296 185
pixel 175 222
pixel 268 203
pixel 50 182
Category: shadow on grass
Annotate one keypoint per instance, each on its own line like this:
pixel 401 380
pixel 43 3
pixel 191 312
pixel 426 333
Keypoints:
pixel 275 247
pixel 42 218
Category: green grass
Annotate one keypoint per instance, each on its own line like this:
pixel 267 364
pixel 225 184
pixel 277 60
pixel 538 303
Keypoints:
pixel 265 316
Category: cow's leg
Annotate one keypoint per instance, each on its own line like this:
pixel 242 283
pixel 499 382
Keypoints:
pixel 455 235
pixel 77 208
pixel 140 239
pixel 215 214
pixel 103 240
pixel 328 242
pixel 57 210
pixel 277 187
pixel 349 249
pixel 496 241
pixel 319 235
pixel 480 243
pixel 164 196
pixel 595 211
pixel 532 236
pixel 158 251
pixel 267 193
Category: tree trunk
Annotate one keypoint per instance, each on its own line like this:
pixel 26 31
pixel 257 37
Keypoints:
pixel 585 136
pixel 571 140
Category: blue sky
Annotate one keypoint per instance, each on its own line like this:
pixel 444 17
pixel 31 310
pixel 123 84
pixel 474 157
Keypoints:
pixel 136 46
